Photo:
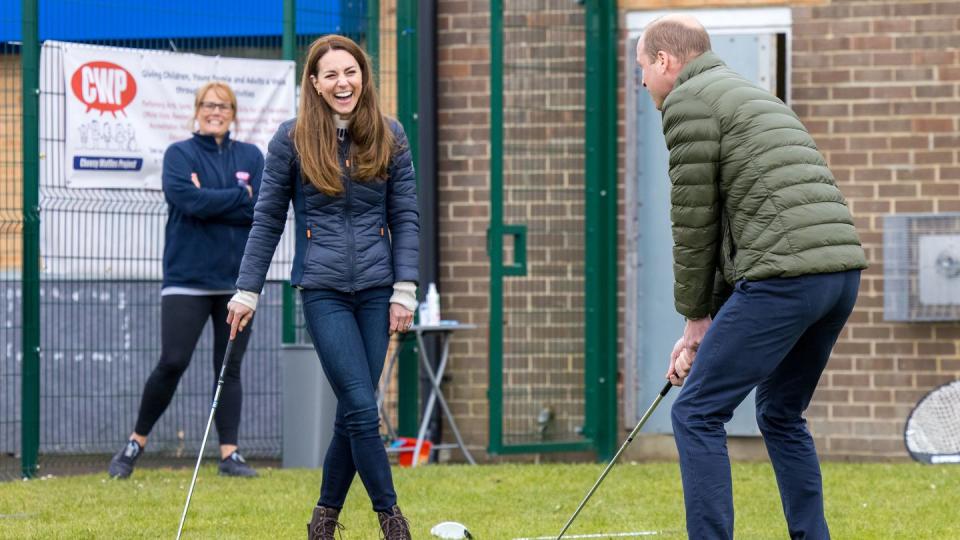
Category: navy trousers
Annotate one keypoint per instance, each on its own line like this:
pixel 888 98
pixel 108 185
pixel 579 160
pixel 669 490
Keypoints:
pixel 774 335
pixel 350 332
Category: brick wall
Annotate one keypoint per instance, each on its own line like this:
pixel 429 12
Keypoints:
pixel 877 85
pixel 543 158
pixel 463 112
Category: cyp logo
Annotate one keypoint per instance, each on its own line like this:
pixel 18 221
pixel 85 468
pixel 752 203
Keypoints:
pixel 104 86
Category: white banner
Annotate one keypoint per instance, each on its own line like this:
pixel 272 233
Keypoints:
pixel 124 107
pixel 106 117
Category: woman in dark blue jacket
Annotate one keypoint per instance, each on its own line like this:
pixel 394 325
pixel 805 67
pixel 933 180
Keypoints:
pixel 211 183
pixel 348 171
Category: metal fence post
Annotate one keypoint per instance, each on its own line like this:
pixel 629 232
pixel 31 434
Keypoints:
pixel 409 370
pixel 30 280
pixel 601 225
pixel 289 39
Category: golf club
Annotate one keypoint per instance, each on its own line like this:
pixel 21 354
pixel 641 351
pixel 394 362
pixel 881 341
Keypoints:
pixel 643 420
pixel 213 409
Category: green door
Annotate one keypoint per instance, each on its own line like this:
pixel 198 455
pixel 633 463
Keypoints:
pixel 551 251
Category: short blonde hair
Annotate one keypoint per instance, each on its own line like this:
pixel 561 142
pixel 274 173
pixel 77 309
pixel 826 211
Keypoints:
pixel 675 38
pixel 224 91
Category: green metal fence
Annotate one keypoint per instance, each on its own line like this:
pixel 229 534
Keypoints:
pixel 76 349
pixel 553 226
pixel 11 245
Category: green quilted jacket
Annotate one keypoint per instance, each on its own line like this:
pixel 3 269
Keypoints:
pixel 752 197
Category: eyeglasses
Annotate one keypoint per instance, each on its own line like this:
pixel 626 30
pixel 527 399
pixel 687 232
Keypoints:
pixel 211 106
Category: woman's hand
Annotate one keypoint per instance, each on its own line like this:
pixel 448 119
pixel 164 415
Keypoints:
pixel 238 317
pixel 401 318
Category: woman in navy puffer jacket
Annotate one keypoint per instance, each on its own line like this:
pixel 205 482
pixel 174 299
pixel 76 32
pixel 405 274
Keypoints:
pixel 349 173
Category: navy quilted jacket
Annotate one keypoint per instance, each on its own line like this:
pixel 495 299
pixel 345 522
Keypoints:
pixel 367 236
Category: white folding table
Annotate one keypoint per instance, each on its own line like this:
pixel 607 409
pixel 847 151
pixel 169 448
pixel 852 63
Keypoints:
pixel 445 330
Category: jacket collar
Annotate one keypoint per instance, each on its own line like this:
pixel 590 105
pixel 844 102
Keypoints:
pixel 208 142
pixel 698 65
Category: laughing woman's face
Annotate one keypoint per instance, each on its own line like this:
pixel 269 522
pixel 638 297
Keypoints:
pixel 339 81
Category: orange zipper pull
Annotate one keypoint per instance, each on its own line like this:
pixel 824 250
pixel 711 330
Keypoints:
pixel 348 163
pixel 381 231
pixel 308 233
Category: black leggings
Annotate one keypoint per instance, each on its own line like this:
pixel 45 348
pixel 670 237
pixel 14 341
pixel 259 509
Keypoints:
pixel 182 318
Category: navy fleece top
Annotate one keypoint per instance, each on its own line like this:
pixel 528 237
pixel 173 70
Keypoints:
pixel 207 227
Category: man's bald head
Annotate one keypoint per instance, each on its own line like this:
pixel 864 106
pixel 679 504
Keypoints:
pixel 681 36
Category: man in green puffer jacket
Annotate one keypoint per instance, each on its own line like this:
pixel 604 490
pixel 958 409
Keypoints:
pixel 761 229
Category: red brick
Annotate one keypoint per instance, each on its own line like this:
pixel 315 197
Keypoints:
pixel 925 26
pixel 895 347
pixel 875 364
pixel 830 76
pixel 871 43
pixel 931 381
pixel 873 75
pixel 872 175
pixel 892 92
pixel 912 108
pixel 938 58
pixel 935 91
pixel 917 364
pixel 948 73
pixel 861 380
pixel 850 59
pixel 913 332
pixel 850 411
pixel 916 173
pixel 913 74
pixel 852 92
pixel 891 26
pixel 871 109
pixel 933 125
pixel 908 396
pixel 898 190
pixel 937 348
pixel 897 412
pixel 898 58
pixel 851 126
pixel 890 158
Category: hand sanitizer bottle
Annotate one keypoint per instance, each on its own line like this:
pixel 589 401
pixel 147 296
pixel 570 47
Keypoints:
pixel 433 305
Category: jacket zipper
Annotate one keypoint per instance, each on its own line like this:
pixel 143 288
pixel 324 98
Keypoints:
pixel 348 222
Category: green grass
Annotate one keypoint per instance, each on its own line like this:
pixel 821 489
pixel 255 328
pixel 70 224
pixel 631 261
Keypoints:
pixel 493 501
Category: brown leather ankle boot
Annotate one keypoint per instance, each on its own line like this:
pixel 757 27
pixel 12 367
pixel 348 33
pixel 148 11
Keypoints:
pixel 393 526
pixel 324 524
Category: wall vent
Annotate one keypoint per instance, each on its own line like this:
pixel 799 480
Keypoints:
pixel 921 267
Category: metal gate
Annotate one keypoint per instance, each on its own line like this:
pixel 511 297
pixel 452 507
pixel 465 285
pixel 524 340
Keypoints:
pixel 553 236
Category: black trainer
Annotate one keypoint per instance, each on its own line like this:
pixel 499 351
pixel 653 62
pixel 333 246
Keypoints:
pixel 121 466
pixel 235 465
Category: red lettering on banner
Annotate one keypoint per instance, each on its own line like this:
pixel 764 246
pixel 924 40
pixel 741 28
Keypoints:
pixel 104 86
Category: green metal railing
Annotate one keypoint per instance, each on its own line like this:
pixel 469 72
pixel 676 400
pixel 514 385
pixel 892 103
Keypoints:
pixel 552 237
pixel 76 350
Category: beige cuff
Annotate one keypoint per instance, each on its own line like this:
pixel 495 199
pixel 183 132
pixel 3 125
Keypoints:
pixel 405 294
pixel 246 298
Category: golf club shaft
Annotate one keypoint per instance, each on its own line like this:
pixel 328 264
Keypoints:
pixel 206 433
pixel 616 456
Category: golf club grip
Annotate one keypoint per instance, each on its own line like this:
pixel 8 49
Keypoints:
pixel 226 356
pixel 666 388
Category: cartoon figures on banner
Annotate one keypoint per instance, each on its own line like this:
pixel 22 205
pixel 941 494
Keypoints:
pixel 107 136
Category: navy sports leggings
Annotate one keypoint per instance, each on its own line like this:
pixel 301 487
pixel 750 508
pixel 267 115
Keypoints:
pixel 182 318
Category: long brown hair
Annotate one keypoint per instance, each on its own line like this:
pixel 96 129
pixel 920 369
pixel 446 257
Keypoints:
pixel 315 132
